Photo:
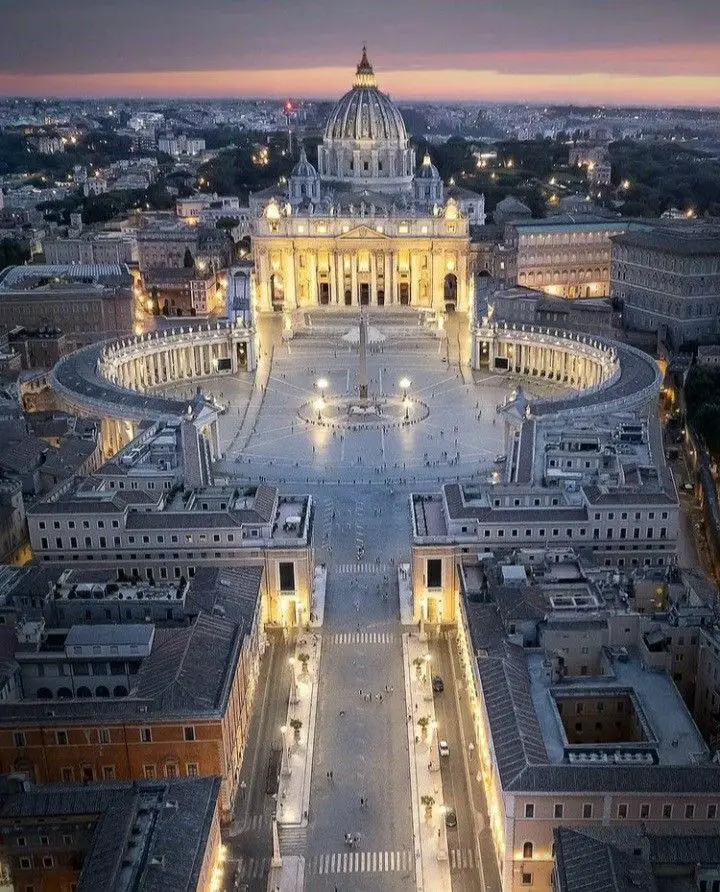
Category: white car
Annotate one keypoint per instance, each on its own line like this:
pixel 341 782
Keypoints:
pixel 500 459
pixel 444 748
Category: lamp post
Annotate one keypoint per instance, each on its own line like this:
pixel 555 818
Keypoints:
pixel 293 682
pixel 319 406
pixel 285 763
pixel 322 385
pixel 405 385
pixel 442 847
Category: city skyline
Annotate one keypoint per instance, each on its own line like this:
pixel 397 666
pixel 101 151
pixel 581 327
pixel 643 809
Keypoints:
pixel 585 52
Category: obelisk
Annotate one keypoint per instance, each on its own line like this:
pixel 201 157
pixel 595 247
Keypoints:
pixel 362 373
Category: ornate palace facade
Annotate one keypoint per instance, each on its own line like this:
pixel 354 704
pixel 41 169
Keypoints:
pixel 369 229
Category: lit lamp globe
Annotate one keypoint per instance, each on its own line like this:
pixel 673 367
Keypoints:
pixel 405 384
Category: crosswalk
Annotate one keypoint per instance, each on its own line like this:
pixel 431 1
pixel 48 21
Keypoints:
pixel 256 822
pixel 462 859
pixel 360 862
pixel 364 567
pixel 252 868
pixel 352 862
pixel 363 638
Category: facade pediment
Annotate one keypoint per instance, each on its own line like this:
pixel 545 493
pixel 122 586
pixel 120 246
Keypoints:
pixel 363 232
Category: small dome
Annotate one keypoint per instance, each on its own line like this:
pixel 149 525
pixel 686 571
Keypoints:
pixel 427 170
pixel 364 113
pixel 303 168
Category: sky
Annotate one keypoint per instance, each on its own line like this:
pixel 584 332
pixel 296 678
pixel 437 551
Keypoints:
pixel 654 52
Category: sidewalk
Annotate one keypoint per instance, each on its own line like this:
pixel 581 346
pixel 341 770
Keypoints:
pixel 294 790
pixel 432 867
pixel 289 877
pixel 317 604
pixel 405 589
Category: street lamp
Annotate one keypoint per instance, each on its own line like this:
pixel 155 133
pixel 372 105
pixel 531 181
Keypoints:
pixel 322 384
pixel 407 404
pixel 293 682
pixel 319 406
pixel 285 762
pixel 405 384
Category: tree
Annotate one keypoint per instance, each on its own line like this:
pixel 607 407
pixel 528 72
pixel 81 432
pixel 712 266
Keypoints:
pixel 12 253
pixel 428 802
pixel 296 725
pixel 188 260
pixel 227 223
pixel 303 659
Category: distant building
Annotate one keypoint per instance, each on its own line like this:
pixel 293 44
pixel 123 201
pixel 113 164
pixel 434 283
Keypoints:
pixel 668 281
pixel 91 248
pixel 110 835
pixel 87 301
pixel 564 256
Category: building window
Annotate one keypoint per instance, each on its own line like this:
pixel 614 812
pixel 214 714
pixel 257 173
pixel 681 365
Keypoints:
pixel 558 811
pixel 149 772
pixel 19 738
pixel 22 842
pixel 189 733
pixel 528 851
pixel 67 774
pixel 526 879
pixel 108 772
pixel 146 735
pixel 689 812
pixel 587 811
pixel 434 573
pixel 192 769
pixel 287 576
pixel 712 812
pixel 622 811
pixel 61 738
pixel 529 810
pixel 25 863
pixel 667 811
pixel 171 769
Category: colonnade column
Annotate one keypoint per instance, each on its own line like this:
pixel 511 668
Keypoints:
pixel 373 278
pixel 387 279
pixel 341 277
pixel 334 295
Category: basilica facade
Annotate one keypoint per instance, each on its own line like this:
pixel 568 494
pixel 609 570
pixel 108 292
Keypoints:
pixel 367 227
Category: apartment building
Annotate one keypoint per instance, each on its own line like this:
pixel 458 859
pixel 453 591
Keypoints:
pixel 599 487
pixel 578 721
pixel 668 281
pixel 112 679
pixel 154 512
pixel 87 302
pixel 163 835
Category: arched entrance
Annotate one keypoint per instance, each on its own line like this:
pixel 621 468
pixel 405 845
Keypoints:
pixel 450 292
pixel 277 291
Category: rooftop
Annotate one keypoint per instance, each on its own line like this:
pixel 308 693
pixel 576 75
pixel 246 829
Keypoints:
pixel 686 240
pixel 150 835
pixel 46 278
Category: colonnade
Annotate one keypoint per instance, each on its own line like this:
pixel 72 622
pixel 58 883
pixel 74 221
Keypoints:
pixel 155 359
pixel 564 357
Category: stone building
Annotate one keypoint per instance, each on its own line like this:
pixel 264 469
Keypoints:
pixel 88 302
pixel 367 227
pixel 564 256
pixel 119 836
pixel 668 281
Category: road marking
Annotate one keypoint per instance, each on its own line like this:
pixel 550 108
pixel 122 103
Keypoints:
pixel 462 859
pixel 360 862
pixel 366 567
pixel 257 821
pixel 252 868
pixel 363 638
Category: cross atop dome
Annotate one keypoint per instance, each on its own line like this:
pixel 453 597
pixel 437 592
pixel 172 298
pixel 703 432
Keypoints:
pixel 364 74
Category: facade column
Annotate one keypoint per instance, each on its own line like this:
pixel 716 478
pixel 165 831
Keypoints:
pixel 341 277
pixel 314 297
pixel 373 279
pixel 386 277
pixel 354 279
pixel 334 296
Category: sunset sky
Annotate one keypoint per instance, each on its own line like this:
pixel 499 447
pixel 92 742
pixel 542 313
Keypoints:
pixel 612 51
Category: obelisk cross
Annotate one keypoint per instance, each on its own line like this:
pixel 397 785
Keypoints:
pixel 362 371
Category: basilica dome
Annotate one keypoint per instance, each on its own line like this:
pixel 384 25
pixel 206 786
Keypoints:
pixel 366 113
pixel 366 145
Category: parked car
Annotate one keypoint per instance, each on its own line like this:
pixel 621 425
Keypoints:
pixel 438 685
pixel 444 748
pixel 450 818
pixel 500 459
